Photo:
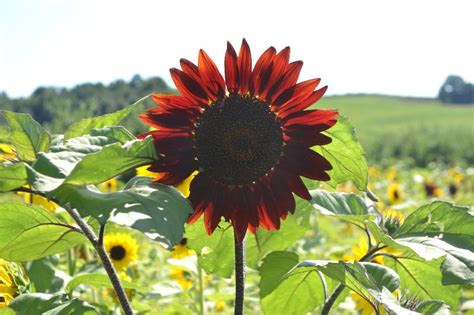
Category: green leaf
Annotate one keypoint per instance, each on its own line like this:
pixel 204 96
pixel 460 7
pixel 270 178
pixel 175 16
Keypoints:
pixel 292 229
pixel 347 207
pixel 7 311
pixel 419 267
pixel 345 154
pixel 429 307
pixel 57 164
pixel 41 303
pixel 84 126
pixel 458 267
pixel 27 136
pixel 365 278
pixel 12 176
pixel 215 252
pixel 98 280
pixel 29 232
pixel 299 292
pixel 45 277
pixel 86 144
pixel 391 304
pixel 433 307
pixel 159 211
pixel 442 220
pixel 275 265
pixel 111 161
pixel 118 133
pixel 51 169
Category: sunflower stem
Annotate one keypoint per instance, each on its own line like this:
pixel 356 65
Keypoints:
pixel 239 275
pixel 99 247
pixel 201 291
pixel 332 299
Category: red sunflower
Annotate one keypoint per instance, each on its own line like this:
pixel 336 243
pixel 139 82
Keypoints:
pixel 249 136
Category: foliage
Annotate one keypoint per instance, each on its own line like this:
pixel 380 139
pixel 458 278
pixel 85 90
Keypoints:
pixel 423 263
pixel 58 108
pixel 455 91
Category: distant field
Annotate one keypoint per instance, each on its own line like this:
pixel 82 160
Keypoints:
pixel 419 131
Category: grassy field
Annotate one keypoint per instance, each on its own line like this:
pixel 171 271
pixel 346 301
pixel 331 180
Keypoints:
pixel 418 131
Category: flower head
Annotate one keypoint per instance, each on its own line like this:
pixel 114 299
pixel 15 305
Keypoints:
pixel 432 190
pixel 182 277
pixel 12 282
pixel 109 185
pixel 392 220
pixel 359 251
pixel 394 193
pixel 181 251
pixel 7 152
pixel 249 137
pixel 39 201
pixel 122 249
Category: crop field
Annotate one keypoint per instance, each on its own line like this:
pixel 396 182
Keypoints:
pixel 418 131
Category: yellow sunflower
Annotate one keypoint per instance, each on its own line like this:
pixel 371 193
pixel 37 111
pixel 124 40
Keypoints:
pixel 181 251
pixel 7 152
pixel 39 201
pixel 220 306
pixel 394 193
pixel 364 307
pixel 122 249
pixel 182 277
pixel 359 251
pixel 455 175
pixel 109 185
pixel 12 282
pixel 392 220
pixel 183 186
pixel 143 171
pixel 373 171
pixel 432 190
pixel 392 174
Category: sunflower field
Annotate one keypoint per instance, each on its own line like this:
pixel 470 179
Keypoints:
pixel 247 195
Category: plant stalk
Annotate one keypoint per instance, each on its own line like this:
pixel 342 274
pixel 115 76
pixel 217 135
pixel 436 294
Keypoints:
pixel 99 247
pixel 332 299
pixel 239 275
pixel 201 291
pixel 106 262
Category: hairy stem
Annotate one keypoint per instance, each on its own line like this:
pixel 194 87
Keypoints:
pixel 239 276
pixel 98 246
pixel 332 299
pixel 106 262
pixel 201 291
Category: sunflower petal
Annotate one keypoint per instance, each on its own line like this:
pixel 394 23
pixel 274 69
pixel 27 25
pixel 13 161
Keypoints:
pixel 231 69
pixel 244 63
pixel 211 75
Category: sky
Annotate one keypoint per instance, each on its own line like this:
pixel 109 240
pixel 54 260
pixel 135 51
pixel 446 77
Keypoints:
pixel 403 47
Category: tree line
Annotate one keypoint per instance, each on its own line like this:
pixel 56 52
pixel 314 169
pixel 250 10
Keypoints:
pixel 456 91
pixel 57 108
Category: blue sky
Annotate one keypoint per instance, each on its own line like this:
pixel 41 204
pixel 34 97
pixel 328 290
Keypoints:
pixel 394 47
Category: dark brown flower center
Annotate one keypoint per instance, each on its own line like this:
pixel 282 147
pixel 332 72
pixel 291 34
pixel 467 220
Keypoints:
pixel 117 252
pixel 238 140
